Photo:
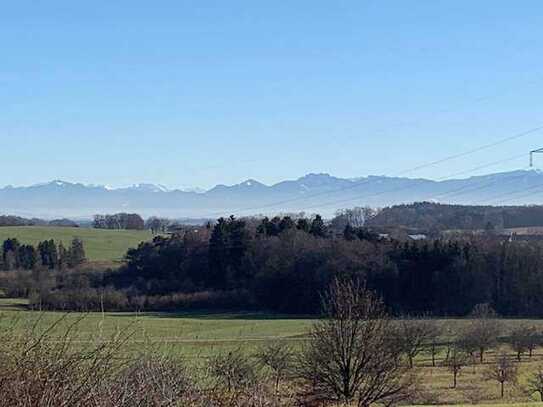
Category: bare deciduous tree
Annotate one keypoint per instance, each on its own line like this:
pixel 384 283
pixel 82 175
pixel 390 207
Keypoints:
pixel 414 335
pixel 351 355
pixel 524 339
pixel 436 331
pixel 456 360
pixel 148 381
pixel 233 372
pixel 483 331
pixel 355 217
pixel 279 358
pixel 503 371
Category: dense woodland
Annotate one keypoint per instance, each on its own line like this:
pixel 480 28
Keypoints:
pixel 284 264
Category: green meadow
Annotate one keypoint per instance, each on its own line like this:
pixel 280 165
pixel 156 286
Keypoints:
pixel 186 334
pixel 100 245
pixel 195 337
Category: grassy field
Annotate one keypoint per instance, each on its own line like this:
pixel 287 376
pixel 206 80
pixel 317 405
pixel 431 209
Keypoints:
pixel 191 335
pixel 100 245
pixel 195 337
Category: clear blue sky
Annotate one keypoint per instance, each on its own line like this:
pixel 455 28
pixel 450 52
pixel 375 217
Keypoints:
pixel 206 92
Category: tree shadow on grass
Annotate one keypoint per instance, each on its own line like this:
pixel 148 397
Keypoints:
pixel 218 315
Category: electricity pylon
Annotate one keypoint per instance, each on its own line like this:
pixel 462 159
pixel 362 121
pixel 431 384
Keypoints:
pixel 539 150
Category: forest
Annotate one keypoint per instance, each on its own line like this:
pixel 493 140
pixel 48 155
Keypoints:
pixel 284 264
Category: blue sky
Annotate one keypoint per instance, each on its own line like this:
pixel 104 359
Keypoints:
pixel 200 93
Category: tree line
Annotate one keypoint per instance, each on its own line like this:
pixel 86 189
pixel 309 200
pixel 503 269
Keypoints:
pixel 9 220
pixel 283 264
pixel 47 254
pixel 430 216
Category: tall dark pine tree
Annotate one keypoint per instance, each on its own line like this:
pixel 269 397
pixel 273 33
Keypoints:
pixel 10 248
pixel 76 253
pixel 218 255
pixel 48 253
pixel 318 228
pixel 227 247
pixel 27 257
pixel 303 225
pixel 238 245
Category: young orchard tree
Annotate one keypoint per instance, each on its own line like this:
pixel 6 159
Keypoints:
pixel 279 358
pixel 502 371
pixel 456 360
pixel 436 331
pixel 352 356
pixel 467 342
pixel 525 339
pixel 484 329
pixel 414 335
pixel 535 383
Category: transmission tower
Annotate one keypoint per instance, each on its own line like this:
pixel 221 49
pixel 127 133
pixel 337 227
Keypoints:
pixel 538 151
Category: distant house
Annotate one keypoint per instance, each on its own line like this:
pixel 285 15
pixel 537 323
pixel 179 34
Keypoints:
pixel 417 237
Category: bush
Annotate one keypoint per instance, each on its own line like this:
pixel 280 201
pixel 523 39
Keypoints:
pixel 220 300
pixel 16 284
pixel 109 299
pixel 149 381
pixel 90 299
pixel 42 369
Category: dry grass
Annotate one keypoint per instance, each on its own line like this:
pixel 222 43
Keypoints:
pixel 473 388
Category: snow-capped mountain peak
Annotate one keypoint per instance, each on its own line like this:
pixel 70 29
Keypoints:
pixel 148 187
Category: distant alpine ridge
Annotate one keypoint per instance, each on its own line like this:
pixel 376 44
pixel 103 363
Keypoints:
pixel 312 193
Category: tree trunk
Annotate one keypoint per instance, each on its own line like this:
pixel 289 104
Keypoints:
pixel 518 356
pixel 503 394
pixel 481 355
pixel 454 380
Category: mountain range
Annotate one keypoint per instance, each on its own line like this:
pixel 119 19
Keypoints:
pixel 312 193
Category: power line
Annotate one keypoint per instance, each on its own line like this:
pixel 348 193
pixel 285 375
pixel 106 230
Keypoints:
pixel 407 187
pixel 466 189
pixel 368 180
pixel 533 187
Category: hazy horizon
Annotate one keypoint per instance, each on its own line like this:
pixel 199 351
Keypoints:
pixel 196 188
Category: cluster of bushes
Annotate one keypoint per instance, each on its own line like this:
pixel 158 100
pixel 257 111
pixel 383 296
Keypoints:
pixel 45 370
pixel 93 299
pixel 47 254
pixel 128 221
